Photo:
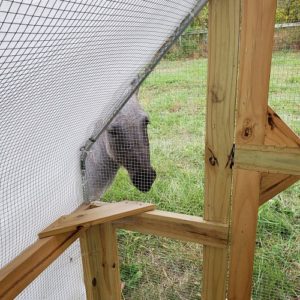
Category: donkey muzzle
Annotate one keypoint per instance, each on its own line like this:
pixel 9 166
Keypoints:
pixel 143 179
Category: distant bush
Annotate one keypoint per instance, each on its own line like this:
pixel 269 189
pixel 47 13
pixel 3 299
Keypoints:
pixel 287 38
pixel 287 11
pixel 193 43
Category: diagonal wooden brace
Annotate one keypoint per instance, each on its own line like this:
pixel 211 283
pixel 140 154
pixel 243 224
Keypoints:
pixel 278 134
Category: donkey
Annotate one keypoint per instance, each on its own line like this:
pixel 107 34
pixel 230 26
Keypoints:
pixel 124 143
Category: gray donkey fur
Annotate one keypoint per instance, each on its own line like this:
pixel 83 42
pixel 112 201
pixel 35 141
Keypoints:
pixel 124 143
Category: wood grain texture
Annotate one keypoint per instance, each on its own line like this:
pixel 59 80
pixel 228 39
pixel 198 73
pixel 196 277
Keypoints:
pixel 95 216
pixel 215 270
pixel 244 220
pixel 277 134
pixel 257 30
pixel 177 226
pixel 99 252
pixel 222 77
pixel 273 184
pixel 18 274
pixel 268 159
pixel 21 271
pixel 223 45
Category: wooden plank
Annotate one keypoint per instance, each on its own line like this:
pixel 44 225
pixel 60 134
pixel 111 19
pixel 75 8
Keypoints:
pixel 177 226
pixel 95 216
pixel 22 270
pixel 244 216
pixel 222 73
pixel 257 30
pixel 277 134
pixel 223 45
pixel 214 270
pixel 101 263
pixel 19 273
pixel 273 184
pixel 268 159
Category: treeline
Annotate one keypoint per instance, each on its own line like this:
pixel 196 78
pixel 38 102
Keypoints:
pixel 288 11
pixel 193 43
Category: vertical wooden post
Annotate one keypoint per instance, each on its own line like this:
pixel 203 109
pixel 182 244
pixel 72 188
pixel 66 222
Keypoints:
pixel 223 46
pixel 240 50
pixel 100 263
pixel 257 31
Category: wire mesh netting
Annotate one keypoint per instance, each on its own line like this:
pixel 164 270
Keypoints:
pixel 174 97
pixel 285 72
pixel 159 268
pixel 277 258
pixel 66 68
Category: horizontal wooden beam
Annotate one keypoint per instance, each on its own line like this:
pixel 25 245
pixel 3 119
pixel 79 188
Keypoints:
pixel 268 159
pixel 99 215
pixel 177 226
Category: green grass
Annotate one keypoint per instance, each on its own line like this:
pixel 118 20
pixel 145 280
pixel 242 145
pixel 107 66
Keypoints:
pixel 157 268
pixel 285 87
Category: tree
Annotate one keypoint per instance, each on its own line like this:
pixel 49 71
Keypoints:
pixel 288 11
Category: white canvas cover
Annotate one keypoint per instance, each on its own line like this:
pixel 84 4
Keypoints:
pixel 64 65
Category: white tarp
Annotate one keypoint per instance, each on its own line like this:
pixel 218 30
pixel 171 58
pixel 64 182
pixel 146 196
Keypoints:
pixel 63 66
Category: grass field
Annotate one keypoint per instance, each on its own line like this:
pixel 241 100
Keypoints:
pixel 158 268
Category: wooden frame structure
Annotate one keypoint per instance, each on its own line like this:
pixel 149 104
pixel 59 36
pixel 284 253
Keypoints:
pixel 251 155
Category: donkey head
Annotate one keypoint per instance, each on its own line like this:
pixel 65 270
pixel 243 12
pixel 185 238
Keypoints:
pixel 128 144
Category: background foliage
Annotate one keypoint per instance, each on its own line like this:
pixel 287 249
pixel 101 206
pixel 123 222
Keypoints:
pixel 193 43
pixel 287 11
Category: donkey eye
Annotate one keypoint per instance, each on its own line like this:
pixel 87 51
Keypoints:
pixel 114 130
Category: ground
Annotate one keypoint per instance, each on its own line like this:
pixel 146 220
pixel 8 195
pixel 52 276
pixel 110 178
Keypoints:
pixel 157 268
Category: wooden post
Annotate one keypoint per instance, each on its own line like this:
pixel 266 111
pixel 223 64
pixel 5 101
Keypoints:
pixel 101 263
pixel 223 45
pixel 256 42
pixel 240 50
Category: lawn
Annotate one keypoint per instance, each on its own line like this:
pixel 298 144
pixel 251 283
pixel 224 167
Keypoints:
pixel 157 268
